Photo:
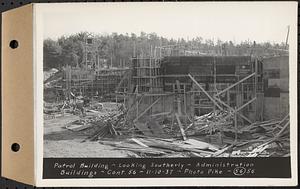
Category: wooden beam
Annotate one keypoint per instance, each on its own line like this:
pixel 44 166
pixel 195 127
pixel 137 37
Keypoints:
pixel 178 97
pixel 161 114
pixel 235 127
pixel 147 94
pixel 282 129
pixel 235 84
pixel 229 107
pixel 180 127
pixel 125 76
pixel 146 110
pixel 141 98
pixel 241 107
pixel 278 125
pixel 246 104
pixel 211 98
pixel 139 142
pixel 184 99
pixel 137 104
pixel 255 86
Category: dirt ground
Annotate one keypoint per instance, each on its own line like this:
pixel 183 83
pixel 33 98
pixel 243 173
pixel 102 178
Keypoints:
pixel 61 142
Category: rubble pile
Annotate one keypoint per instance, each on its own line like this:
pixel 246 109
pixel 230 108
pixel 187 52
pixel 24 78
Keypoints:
pixel 210 123
pixel 271 140
pixel 158 147
pixel 172 135
pixel 263 139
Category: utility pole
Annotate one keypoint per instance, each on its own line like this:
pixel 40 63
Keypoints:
pixel 287 37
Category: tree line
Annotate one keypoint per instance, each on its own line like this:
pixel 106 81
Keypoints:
pixel 116 48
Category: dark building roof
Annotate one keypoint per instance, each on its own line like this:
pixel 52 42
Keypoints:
pixel 206 59
pixel 205 64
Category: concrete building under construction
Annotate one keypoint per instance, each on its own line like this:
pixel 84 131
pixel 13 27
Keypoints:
pixel 253 88
pixel 196 85
pixel 178 105
pixel 94 76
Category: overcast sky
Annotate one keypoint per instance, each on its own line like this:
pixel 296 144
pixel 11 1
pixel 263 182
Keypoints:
pixel 262 22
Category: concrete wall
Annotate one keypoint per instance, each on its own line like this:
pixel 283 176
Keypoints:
pixel 167 103
pixel 277 106
pixel 284 104
pixel 268 106
pixel 271 108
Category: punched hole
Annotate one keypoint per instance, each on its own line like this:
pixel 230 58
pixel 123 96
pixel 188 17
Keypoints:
pixel 15 147
pixel 14 44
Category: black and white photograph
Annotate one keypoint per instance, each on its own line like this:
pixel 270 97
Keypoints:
pixel 168 84
pixel 167 90
pixel 144 90
pixel 144 94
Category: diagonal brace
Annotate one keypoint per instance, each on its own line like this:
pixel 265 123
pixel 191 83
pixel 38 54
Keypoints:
pixel 211 98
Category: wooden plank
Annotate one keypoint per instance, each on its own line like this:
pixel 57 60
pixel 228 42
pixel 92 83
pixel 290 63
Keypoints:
pixel 180 127
pixel 246 104
pixel 184 99
pixel 235 127
pixel 255 87
pixel 139 142
pixel 148 94
pixel 227 106
pixel 235 84
pixel 190 125
pixel 211 98
pixel 161 114
pixel 278 125
pixel 178 98
pixel 240 108
pixel 218 153
pixel 77 127
pixel 201 145
pixel 288 115
pixel 146 110
pixel 204 152
pixel 125 76
pixel 137 103
pixel 282 129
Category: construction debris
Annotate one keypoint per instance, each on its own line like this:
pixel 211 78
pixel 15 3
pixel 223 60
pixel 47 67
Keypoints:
pixel 151 128
pixel 216 134
pixel 172 106
pixel 198 138
pixel 209 123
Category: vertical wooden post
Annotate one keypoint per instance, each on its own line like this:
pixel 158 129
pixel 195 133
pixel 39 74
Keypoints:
pixel 172 123
pixel 184 99
pixel 151 78
pixel 287 37
pixel 180 127
pixel 237 92
pixel 150 71
pixel 235 125
pixel 178 98
pixel 255 89
pixel 137 102
pixel 228 98
pixel 215 79
pixel 221 135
